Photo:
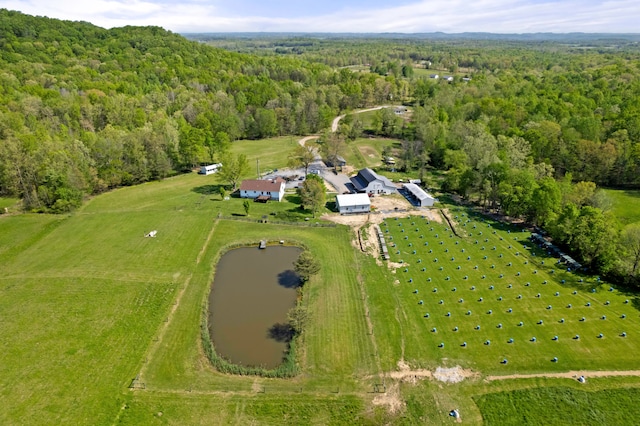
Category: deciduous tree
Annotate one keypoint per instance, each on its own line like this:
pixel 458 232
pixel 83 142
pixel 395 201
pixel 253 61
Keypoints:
pixel 332 147
pixel 306 266
pixel 630 243
pixel 302 156
pixel 234 167
pixel 313 194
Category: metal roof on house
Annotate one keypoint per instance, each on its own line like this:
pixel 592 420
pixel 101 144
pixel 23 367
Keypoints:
pixel 359 183
pixel 366 176
pixel 266 185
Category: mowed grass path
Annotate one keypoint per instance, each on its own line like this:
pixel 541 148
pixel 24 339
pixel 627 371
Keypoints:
pixel 486 283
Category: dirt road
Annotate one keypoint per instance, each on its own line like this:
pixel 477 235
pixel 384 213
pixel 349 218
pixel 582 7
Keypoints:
pixel 568 375
pixel 336 121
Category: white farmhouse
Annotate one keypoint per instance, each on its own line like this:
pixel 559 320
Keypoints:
pixel 263 190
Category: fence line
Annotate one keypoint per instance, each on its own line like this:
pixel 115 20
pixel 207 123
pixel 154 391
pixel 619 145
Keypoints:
pixel 277 222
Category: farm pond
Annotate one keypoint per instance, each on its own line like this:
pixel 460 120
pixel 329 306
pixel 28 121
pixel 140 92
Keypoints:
pixel 251 294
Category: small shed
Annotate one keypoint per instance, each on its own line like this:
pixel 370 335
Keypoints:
pixel 340 162
pixel 210 169
pixel 353 203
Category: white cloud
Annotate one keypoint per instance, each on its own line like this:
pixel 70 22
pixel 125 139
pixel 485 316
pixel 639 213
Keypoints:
pixel 500 16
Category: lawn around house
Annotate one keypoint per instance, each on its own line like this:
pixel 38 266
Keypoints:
pixel 273 153
pixel 90 307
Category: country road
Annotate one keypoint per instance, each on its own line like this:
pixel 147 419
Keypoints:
pixel 338 181
pixel 336 121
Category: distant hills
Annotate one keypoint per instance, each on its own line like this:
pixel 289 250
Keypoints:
pixel 596 38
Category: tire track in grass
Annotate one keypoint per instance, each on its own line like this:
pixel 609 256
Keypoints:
pixel 568 375
pixel 365 305
pixel 165 325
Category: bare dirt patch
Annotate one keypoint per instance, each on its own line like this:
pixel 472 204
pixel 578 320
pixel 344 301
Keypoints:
pixel 371 153
pixel 388 206
pixel 390 399
pixel 396 265
pixel 371 243
pixel 453 375
pixel 407 375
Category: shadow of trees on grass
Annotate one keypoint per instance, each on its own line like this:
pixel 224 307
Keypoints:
pixel 207 189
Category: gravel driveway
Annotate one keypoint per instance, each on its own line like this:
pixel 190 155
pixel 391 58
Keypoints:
pixel 338 181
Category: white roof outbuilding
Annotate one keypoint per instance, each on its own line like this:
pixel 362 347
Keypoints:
pixel 353 203
pixel 418 194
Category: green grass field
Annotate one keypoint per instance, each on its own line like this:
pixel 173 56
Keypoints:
pixel 88 304
pixel 626 205
pixel 560 406
pixel 367 152
pixel 485 283
pixel 273 153
pixel 7 203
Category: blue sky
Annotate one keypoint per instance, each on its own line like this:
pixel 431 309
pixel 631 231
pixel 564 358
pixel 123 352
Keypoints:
pixel 408 16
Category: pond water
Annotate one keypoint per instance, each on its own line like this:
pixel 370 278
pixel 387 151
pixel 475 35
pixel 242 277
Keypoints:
pixel 250 296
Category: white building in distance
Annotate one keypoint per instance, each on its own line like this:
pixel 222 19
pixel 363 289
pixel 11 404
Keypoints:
pixel 210 169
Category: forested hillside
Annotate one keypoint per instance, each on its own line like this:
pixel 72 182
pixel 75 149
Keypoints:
pixel 84 109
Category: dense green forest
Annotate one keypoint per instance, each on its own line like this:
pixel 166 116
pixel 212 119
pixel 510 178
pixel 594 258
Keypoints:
pixel 529 128
pixel 84 109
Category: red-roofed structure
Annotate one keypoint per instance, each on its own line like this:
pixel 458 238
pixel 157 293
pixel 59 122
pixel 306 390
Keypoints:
pixel 271 188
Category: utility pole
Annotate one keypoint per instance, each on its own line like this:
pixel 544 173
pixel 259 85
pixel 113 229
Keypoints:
pixel 258 167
